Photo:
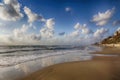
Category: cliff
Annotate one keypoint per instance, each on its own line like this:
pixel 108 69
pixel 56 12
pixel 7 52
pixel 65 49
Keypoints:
pixel 115 39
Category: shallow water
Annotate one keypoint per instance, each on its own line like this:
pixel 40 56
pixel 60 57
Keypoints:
pixel 16 62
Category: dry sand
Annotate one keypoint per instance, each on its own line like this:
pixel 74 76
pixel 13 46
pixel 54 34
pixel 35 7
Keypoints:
pixel 100 68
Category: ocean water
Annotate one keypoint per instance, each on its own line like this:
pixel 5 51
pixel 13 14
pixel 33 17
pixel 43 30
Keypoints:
pixel 19 61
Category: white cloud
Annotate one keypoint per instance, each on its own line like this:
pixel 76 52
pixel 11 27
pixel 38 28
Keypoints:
pixel 48 30
pixel 77 26
pixel 20 35
pixel 10 10
pixel 75 33
pixel 83 29
pixel 84 36
pixel 66 40
pixel 103 18
pixel 20 32
pixel 32 16
pixel 5 40
pixel 100 33
pixel 46 33
pixel 35 37
pixel 50 23
pixel 86 30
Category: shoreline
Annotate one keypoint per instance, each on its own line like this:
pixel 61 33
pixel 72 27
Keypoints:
pixel 99 68
pixel 108 50
pixel 85 70
pixel 110 45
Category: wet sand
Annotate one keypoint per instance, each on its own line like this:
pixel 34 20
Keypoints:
pixel 109 50
pixel 99 68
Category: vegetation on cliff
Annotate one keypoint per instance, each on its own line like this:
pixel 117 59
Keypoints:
pixel 115 39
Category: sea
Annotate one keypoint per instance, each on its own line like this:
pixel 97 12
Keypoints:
pixel 19 61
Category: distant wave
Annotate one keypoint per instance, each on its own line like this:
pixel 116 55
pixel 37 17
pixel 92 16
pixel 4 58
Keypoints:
pixel 13 49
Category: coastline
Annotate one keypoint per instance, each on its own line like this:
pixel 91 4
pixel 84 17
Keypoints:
pixel 99 68
pixel 110 45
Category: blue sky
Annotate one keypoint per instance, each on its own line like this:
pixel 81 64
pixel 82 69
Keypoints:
pixel 81 10
pixel 44 21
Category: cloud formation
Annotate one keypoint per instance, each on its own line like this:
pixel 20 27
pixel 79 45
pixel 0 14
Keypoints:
pixel 48 30
pixel 32 16
pixel 10 10
pixel 77 26
pixel 86 30
pixel 20 35
pixel 100 33
pixel 102 18
pixel 80 29
pixel 46 36
pixel 20 32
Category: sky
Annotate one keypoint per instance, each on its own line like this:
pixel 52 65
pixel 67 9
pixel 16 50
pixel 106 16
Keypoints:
pixel 57 22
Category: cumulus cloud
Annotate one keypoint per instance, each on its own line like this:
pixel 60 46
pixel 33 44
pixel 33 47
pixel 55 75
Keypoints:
pixel 32 16
pixel 48 30
pixel 35 37
pixel 75 33
pixel 10 10
pixel 21 35
pixel 77 26
pixel 85 36
pixel 80 29
pixel 4 39
pixel 103 18
pixel 66 40
pixel 86 30
pixel 20 32
pixel 46 33
pixel 50 23
pixel 100 33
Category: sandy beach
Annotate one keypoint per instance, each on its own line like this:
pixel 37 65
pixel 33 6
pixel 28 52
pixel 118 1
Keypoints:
pixel 99 68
